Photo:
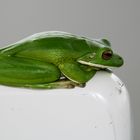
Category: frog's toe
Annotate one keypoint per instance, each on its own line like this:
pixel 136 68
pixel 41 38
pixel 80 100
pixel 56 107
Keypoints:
pixel 70 86
pixel 82 85
pixel 73 84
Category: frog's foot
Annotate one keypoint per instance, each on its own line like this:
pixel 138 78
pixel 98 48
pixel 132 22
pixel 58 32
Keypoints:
pixel 60 84
pixel 65 83
pixel 81 85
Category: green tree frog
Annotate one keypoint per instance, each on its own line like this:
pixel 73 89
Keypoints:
pixel 55 59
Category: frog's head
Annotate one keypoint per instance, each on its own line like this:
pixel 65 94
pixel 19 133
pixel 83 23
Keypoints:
pixel 103 57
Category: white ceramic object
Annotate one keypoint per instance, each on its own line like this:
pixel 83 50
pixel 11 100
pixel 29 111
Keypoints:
pixel 100 111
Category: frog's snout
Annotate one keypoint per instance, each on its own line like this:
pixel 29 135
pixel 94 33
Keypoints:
pixel 120 61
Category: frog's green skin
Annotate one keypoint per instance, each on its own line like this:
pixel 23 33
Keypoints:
pixel 43 59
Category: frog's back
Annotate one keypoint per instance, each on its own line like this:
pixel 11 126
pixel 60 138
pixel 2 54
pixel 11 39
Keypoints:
pixel 51 34
pixel 50 40
pixel 50 45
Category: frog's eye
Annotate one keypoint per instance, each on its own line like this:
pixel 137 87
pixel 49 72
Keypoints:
pixel 107 54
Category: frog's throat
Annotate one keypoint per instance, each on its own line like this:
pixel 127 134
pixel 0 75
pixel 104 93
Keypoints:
pixel 94 65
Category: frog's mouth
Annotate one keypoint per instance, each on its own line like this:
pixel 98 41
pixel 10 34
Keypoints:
pixel 95 65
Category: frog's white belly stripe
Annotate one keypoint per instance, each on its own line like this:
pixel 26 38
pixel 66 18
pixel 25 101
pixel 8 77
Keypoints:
pixel 92 64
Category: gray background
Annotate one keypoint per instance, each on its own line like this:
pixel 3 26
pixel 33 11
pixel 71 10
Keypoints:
pixel 117 20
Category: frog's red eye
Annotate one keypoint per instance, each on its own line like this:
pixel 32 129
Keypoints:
pixel 107 54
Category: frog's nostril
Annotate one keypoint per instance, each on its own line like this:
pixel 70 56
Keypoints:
pixel 120 58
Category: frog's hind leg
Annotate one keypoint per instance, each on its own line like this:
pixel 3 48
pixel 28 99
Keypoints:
pixel 21 72
pixel 29 73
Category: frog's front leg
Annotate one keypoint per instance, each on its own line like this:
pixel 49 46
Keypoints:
pixel 74 72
